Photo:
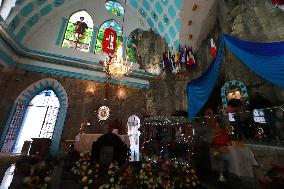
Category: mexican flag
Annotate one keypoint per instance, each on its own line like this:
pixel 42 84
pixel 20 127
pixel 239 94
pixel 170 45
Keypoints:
pixel 213 48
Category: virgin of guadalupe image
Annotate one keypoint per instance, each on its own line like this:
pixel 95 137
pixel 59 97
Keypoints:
pixel 109 40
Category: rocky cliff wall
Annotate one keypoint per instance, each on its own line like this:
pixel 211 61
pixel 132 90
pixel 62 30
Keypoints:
pixel 254 20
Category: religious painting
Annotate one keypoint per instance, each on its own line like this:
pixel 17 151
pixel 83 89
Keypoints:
pixel 109 39
pixel 114 8
pixel 131 50
pixel 234 92
pixel 79 31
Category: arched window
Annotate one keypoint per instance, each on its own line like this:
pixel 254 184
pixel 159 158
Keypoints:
pixel 114 8
pixel 133 125
pixel 79 32
pixel 40 118
pixel 119 41
pixel 131 50
pixel 5 7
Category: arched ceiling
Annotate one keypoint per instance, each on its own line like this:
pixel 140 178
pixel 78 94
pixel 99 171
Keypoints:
pixel 169 18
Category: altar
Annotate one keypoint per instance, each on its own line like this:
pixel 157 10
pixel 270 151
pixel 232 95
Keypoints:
pixel 84 142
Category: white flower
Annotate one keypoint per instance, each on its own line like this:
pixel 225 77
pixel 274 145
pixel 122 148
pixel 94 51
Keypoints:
pixel 90 181
pixel 26 179
pixel 90 171
pixel 47 179
pixel 111 179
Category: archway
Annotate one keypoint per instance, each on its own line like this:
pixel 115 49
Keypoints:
pixel 40 117
pixel 133 124
pixel 16 118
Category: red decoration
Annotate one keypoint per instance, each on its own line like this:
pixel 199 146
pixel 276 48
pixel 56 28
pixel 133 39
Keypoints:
pixel 278 2
pixel 109 41
pixel 221 139
pixel 213 48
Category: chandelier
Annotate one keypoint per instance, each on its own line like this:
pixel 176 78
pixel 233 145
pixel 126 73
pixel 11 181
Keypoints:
pixel 117 67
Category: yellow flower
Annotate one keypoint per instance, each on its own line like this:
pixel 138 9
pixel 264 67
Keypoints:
pixel 97 165
pixel 26 179
pixel 90 171
pixel 84 179
pixel 148 167
pixel 111 179
pixel 47 179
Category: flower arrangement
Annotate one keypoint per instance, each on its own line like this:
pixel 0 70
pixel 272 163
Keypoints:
pixel 112 178
pixel 127 177
pixel 158 174
pixel 190 178
pixel 33 172
pixel 37 182
pixel 146 176
pixel 85 171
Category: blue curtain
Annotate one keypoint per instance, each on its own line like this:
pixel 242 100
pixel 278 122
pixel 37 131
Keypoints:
pixel 199 90
pixel 265 59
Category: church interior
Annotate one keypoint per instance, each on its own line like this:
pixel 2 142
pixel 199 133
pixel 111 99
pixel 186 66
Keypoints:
pixel 160 94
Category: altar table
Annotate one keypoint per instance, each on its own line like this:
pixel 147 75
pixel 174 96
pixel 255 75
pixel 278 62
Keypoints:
pixel 84 142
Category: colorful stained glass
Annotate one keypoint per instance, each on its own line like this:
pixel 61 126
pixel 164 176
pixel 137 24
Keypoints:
pixel 114 8
pixel 131 51
pixel 101 35
pixel 79 32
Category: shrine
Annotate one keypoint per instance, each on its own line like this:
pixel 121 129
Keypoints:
pixel 158 94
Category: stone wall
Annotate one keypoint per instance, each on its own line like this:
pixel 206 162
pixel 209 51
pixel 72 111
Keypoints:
pixel 257 21
pixel 84 97
pixel 150 47
pixel 254 20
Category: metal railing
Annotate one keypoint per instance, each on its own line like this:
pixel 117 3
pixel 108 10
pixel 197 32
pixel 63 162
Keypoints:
pixel 259 126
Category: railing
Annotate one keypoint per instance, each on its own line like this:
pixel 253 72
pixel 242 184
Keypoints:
pixel 260 126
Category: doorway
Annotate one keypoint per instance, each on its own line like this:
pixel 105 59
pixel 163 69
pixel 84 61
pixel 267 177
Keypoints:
pixel 39 118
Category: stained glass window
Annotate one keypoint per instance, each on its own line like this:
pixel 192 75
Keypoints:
pixel 100 36
pixel 131 51
pixel 114 8
pixel 79 32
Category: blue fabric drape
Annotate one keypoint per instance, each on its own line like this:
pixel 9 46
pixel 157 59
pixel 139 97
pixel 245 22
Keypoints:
pixel 265 59
pixel 199 90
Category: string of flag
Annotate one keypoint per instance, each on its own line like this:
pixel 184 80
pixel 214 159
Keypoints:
pixel 178 61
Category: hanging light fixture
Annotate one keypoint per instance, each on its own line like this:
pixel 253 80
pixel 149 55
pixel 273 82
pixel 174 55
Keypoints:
pixel 117 67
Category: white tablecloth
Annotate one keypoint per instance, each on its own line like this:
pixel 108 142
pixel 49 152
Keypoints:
pixel 240 159
pixel 84 142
